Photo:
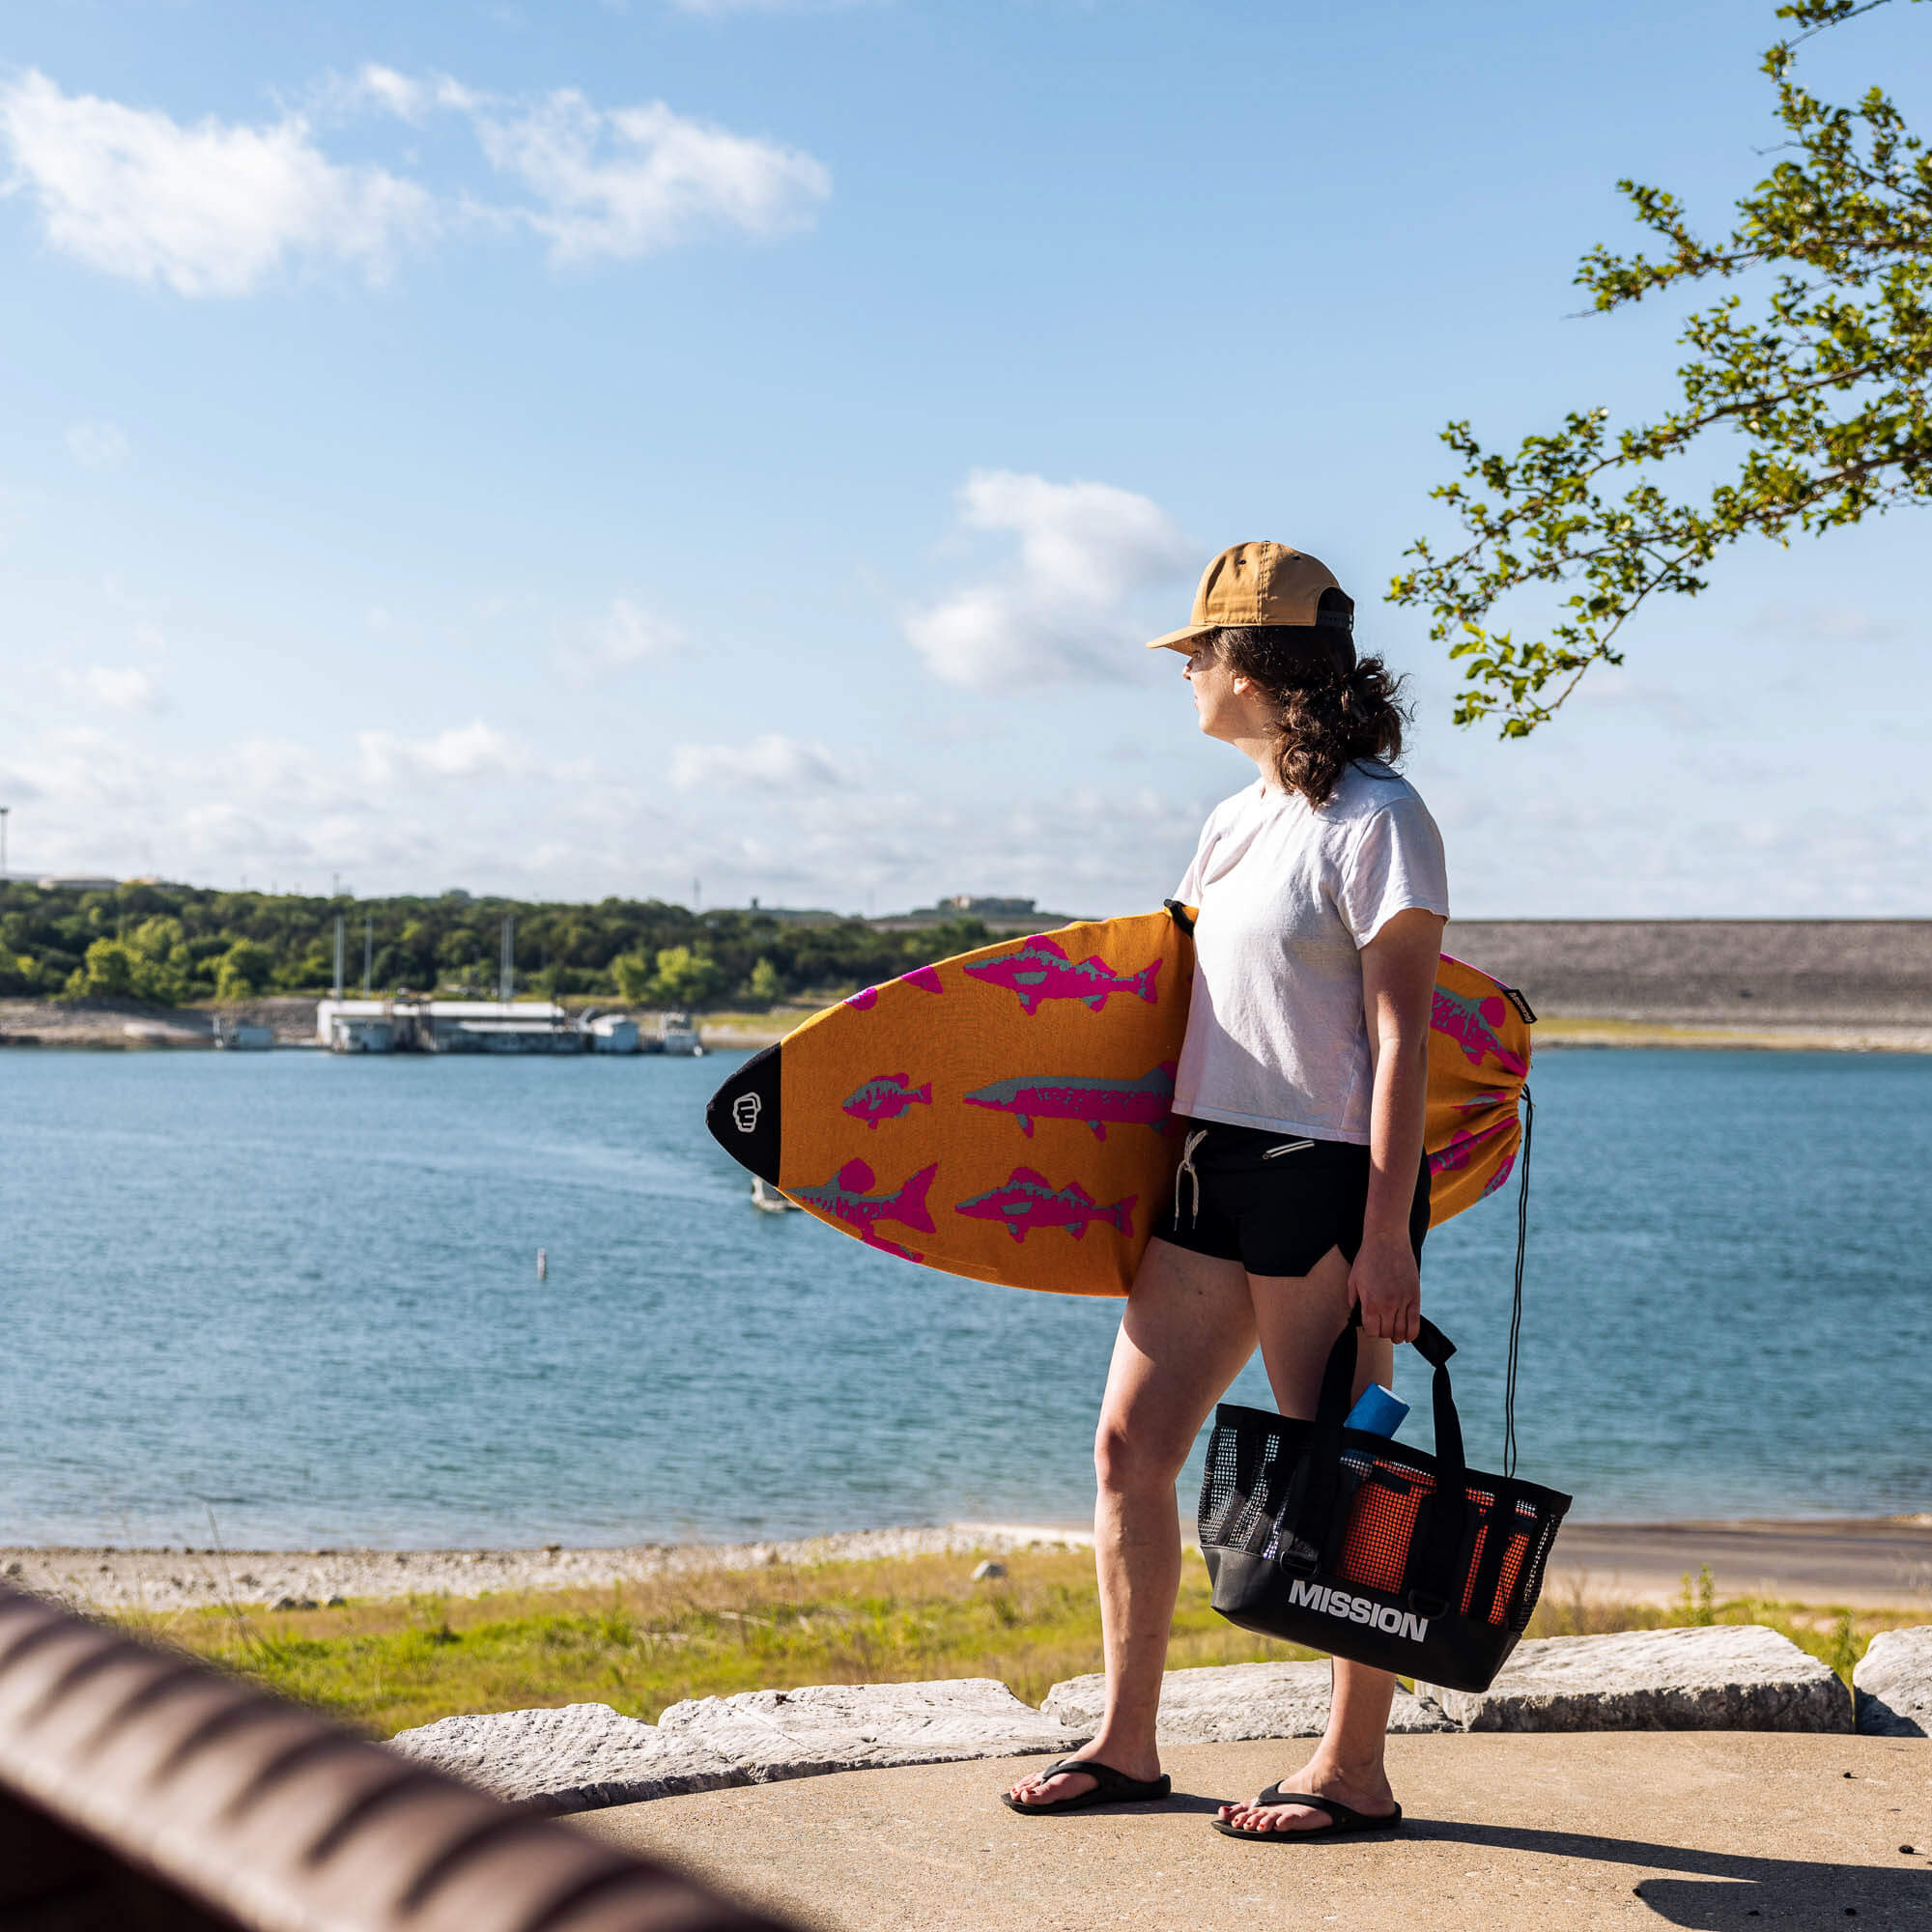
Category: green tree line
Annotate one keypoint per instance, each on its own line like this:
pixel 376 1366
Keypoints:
pixel 171 945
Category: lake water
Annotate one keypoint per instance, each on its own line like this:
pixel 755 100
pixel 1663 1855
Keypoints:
pixel 298 1292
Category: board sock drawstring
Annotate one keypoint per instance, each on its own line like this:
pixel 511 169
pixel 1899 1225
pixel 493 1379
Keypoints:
pixel 1516 1300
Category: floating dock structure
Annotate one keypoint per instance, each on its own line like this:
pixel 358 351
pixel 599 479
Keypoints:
pixel 469 1026
pixel 677 1034
pixel 243 1035
pixel 615 1033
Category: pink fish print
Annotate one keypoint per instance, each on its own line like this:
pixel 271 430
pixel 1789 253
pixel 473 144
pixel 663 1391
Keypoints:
pixel 1464 1145
pixel 1072 1096
pixel 1472 1025
pixel 849 1198
pixel 885 1096
pixel 924 978
pixel 1027 1199
pixel 1041 971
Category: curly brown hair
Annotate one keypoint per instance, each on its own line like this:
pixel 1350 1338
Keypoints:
pixel 1334 706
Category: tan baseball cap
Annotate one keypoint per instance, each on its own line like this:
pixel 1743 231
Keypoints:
pixel 1260 583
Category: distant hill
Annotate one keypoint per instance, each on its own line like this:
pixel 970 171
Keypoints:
pixel 170 944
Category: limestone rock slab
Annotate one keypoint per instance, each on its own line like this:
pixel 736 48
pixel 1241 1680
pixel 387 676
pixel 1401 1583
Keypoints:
pixel 1229 1703
pixel 1721 1677
pixel 1893 1685
pixel 573 1759
pixel 774 1734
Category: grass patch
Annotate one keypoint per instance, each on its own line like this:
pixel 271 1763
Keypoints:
pixel 385 1664
pixel 1831 1633
pixel 381 1664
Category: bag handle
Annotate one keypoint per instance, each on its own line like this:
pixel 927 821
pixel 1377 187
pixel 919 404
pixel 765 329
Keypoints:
pixel 1434 1588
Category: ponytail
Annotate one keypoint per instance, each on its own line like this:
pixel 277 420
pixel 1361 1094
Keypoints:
pixel 1334 707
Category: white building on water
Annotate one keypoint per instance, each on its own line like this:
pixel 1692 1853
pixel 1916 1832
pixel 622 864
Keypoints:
pixel 412 1023
pixel 468 1026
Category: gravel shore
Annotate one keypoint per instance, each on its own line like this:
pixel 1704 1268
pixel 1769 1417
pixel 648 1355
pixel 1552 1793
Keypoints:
pixel 1871 1562
pixel 186 1579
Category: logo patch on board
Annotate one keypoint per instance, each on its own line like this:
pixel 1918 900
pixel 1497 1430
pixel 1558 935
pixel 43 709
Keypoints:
pixel 744 1111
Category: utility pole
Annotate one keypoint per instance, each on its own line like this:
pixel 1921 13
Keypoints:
pixel 4 810
pixel 506 977
pixel 697 896
pixel 368 949
pixel 338 956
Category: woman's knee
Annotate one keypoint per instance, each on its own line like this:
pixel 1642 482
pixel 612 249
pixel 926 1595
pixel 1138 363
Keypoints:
pixel 1127 1459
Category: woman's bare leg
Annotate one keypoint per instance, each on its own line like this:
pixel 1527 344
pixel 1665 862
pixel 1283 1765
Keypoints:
pixel 1188 1328
pixel 1297 1318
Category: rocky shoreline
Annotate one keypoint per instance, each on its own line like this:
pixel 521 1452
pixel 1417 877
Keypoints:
pixel 188 1577
pixel 1869 1561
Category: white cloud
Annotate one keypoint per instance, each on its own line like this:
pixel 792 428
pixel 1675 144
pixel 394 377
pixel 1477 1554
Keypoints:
pixel 628 181
pixel 99 446
pixel 1062 610
pixel 773 763
pixel 126 688
pixel 219 207
pixel 1805 623
pixel 80 771
pixel 209 210
pixel 625 635
pixel 462 751
pixel 384 87
pixel 1612 688
pixel 280 771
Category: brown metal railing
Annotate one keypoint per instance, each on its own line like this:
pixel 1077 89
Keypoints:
pixel 141 1791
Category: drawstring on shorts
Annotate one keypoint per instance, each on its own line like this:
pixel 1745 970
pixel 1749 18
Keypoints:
pixel 1193 1175
pixel 1187 1168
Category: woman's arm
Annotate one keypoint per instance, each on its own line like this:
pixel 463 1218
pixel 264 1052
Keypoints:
pixel 1398 986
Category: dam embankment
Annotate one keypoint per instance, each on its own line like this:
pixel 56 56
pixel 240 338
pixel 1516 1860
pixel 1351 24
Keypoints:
pixel 1775 973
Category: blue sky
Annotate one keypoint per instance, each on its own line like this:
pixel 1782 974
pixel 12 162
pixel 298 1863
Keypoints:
pixel 587 448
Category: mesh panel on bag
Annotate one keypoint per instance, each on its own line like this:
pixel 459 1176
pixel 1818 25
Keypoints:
pixel 1506 1582
pixel 1520 1573
pixel 1382 1523
pixel 1250 1520
pixel 1540 1533
pixel 1481 1503
pixel 1243 1489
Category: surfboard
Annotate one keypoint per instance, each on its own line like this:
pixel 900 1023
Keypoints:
pixel 1007 1114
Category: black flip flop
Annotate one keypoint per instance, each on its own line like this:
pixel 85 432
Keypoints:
pixel 1344 1819
pixel 1110 1787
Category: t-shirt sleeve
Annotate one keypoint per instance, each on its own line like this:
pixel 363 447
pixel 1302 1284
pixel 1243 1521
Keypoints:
pixel 1188 890
pixel 1396 866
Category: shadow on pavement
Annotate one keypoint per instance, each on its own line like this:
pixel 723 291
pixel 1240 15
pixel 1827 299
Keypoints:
pixel 1721 1890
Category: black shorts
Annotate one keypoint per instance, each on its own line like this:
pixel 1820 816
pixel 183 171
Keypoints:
pixel 1275 1203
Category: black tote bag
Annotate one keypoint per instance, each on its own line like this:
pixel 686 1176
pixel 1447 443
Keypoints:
pixel 1360 1546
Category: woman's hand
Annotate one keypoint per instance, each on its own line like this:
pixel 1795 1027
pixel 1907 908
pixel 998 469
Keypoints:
pixel 1386 1286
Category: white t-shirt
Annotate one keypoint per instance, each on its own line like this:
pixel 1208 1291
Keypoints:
pixel 1288 895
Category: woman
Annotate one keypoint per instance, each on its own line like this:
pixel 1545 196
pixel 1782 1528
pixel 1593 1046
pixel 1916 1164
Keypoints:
pixel 1304 1190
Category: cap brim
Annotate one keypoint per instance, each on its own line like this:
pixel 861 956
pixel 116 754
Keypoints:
pixel 1183 641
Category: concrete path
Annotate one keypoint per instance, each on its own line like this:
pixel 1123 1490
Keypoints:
pixel 1505 1834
